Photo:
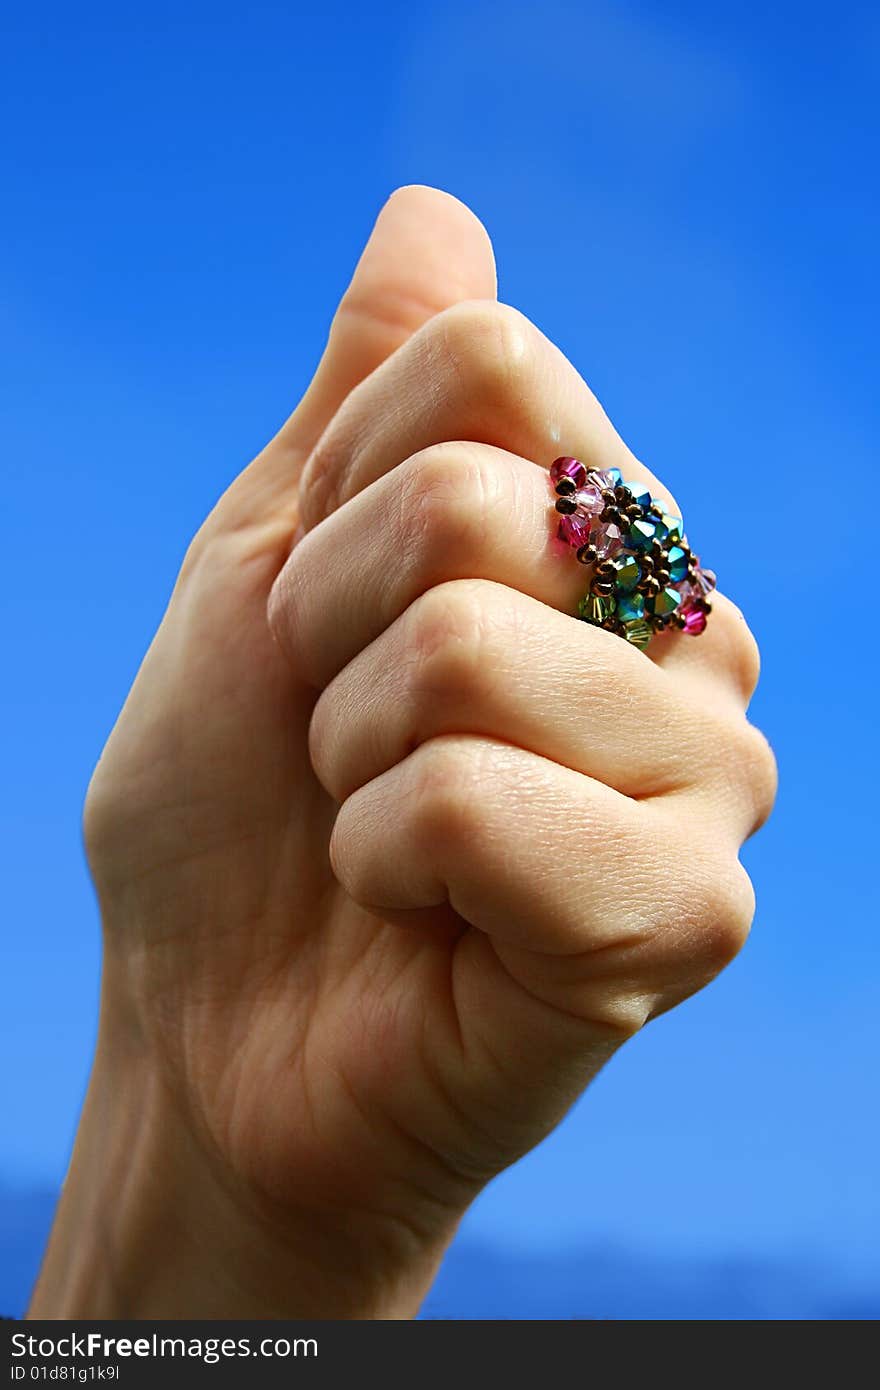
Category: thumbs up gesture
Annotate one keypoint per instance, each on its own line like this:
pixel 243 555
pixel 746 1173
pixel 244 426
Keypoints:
pixel 391 851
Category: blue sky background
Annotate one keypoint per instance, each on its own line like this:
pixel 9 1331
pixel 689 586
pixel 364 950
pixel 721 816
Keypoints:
pixel 684 196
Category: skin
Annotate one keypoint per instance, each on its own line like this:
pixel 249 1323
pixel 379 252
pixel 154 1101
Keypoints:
pixel 383 838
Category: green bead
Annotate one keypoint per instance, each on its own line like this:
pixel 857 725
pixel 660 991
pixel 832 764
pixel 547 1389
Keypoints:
pixel 671 527
pixel 638 632
pixel 676 563
pixel 631 607
pixel 595 608
pixel 665 602
pixel 628 572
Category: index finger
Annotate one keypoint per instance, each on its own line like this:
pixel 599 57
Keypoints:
pixel 479 371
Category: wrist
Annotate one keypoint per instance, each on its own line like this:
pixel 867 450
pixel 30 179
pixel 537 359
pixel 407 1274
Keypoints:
pixel 150 1225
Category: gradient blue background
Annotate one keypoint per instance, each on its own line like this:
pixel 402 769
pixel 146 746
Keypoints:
pixel 684 197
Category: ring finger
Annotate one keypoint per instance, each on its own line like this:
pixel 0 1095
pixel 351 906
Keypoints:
pixel 458 511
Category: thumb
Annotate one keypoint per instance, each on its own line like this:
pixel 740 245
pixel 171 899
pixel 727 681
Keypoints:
pixel 426 252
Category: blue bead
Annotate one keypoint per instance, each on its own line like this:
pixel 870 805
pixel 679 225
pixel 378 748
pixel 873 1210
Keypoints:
pixel 672 527
pixel 640 493
pixel 641 534
pixel 677 564
pixel 666 601
pixel 630 607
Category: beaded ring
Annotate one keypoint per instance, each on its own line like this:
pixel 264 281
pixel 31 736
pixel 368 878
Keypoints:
pixel 645 577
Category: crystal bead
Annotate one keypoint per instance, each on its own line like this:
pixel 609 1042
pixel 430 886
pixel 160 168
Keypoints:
pixel 595 608
pixel 605 477
pixel 567 467
pixel 607 539
pixel 665 602
pixel 698 584
pixel 638 632
pixel 640 493
pixel 589 498
pixel 677 564
pixel 630 607
pixel 574 530
pixel 575 525
pixel 641 534
pixel 694 620
pixel 628 572
pixel 671 527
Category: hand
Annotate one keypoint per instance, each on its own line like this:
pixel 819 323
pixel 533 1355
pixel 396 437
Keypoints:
pixel 392 853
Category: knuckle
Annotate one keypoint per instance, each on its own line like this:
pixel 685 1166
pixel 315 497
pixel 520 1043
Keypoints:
pixel 744 653
pixel 728 913
pixel 703 922
pixel 748 763
pixel 447 492
pixel 446 642
pixel 446 805
pixel 762 773
pixel 389 317
pixel 739 759
pixel 700 925
pixel 488 346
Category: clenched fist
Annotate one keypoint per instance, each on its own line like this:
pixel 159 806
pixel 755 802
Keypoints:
pixel 392 852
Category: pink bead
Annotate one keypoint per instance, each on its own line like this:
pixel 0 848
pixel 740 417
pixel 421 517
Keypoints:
pixel 699 587
pixel 589 499
pixel 607 539
pixel 567 467
pixel 604 477
pixel 694 620
pixel 574 528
